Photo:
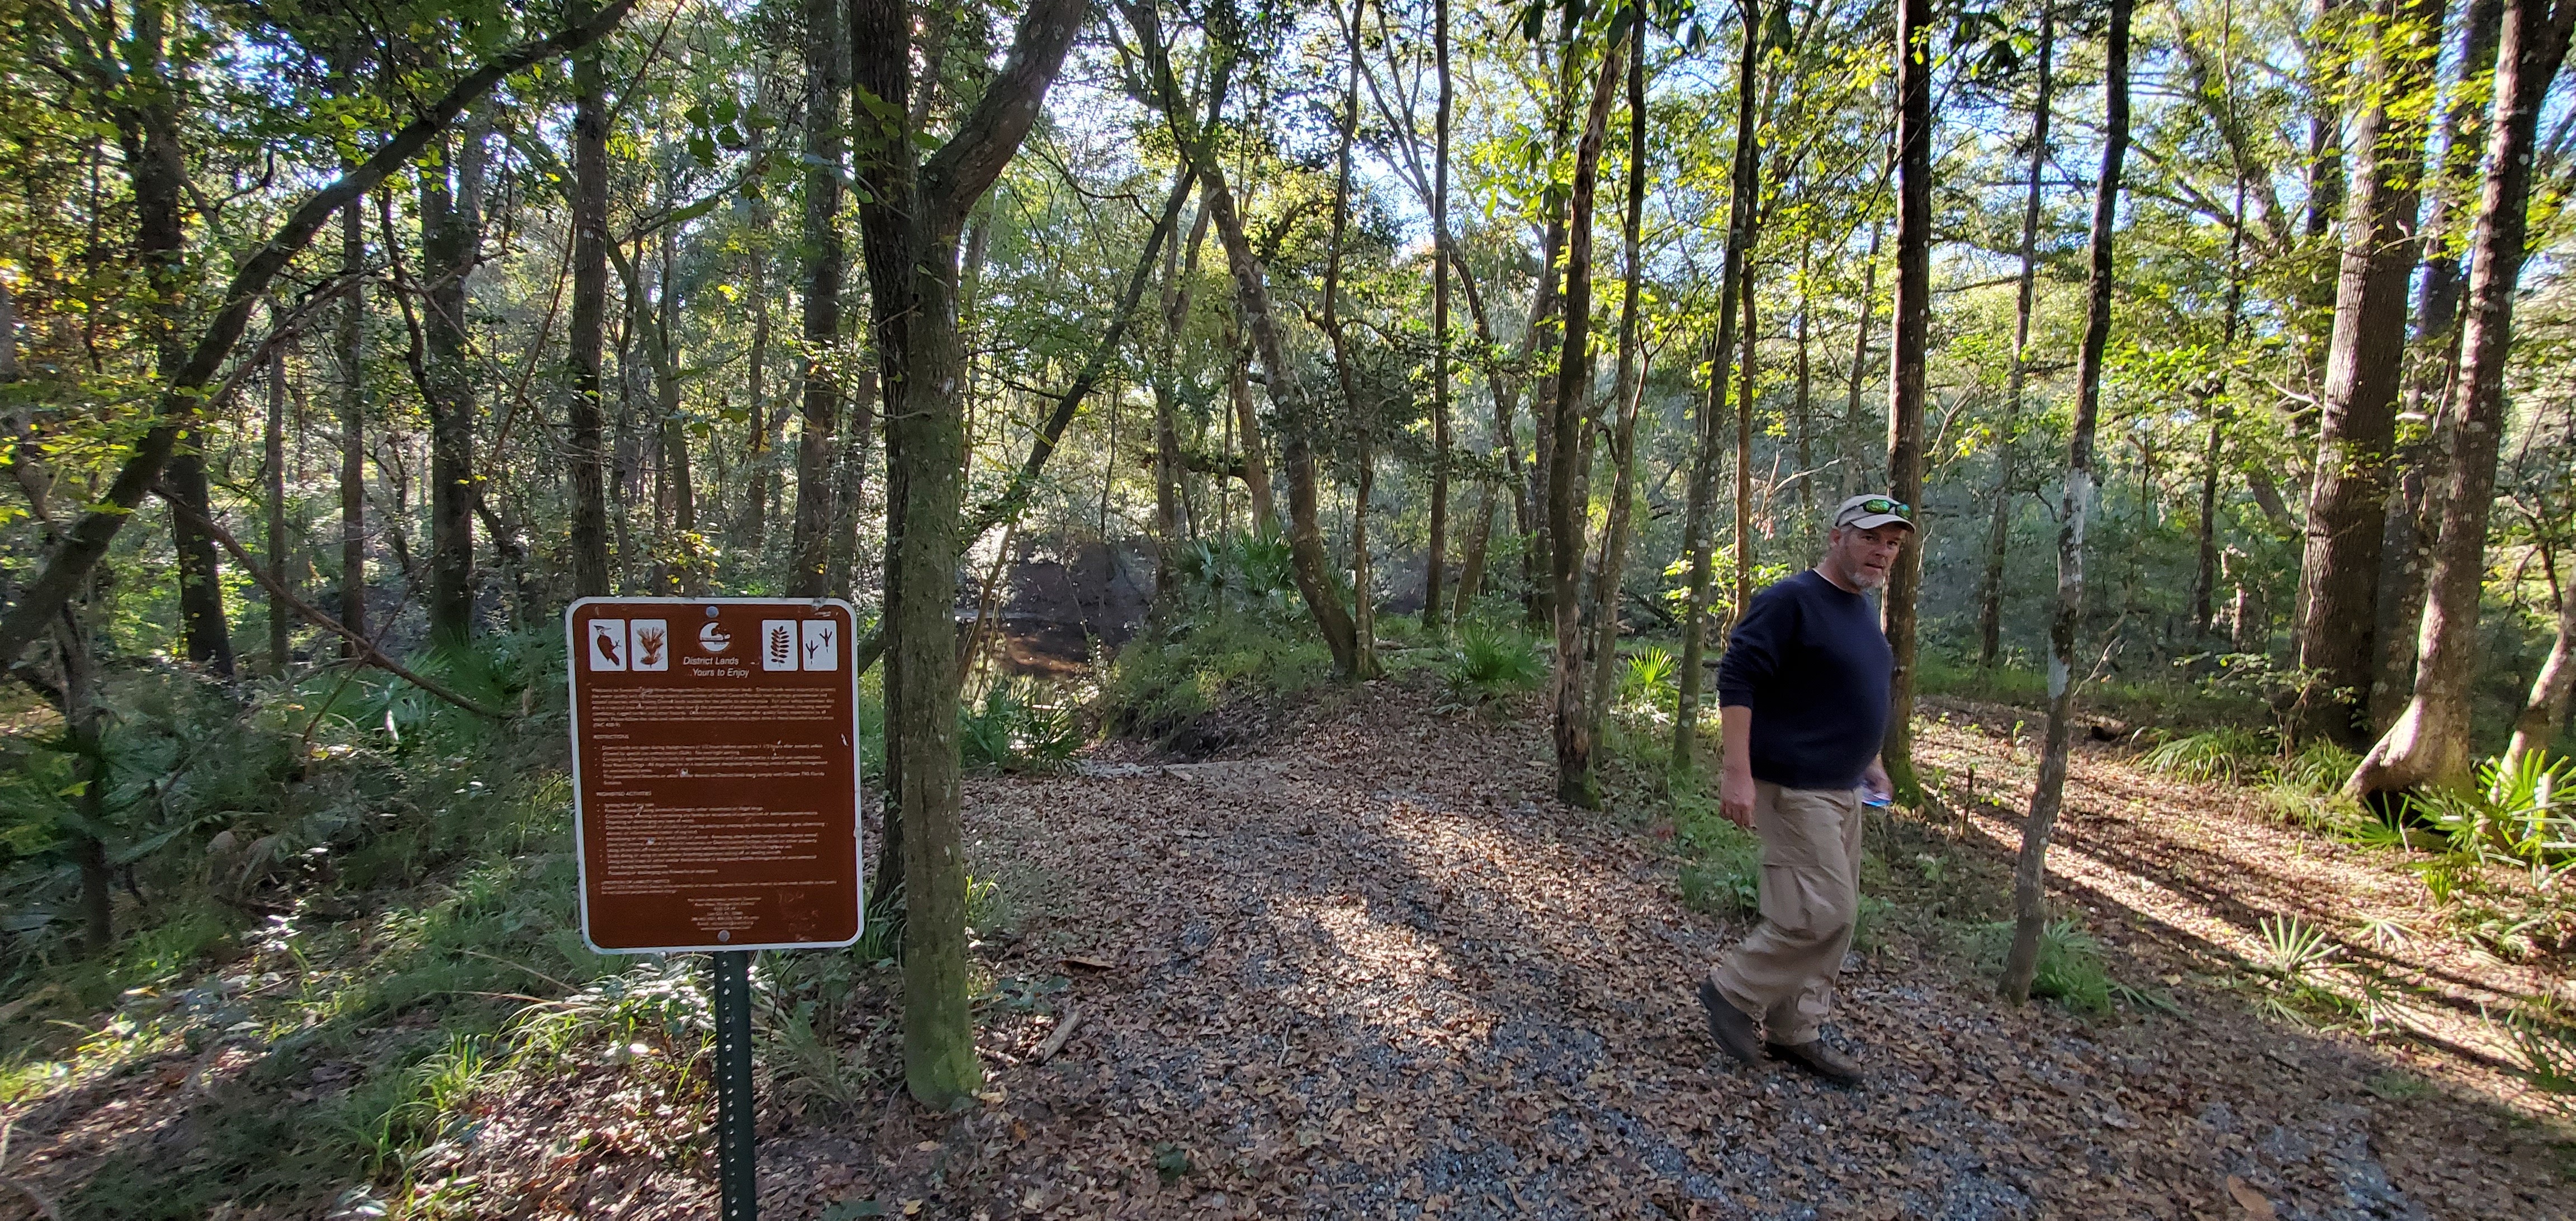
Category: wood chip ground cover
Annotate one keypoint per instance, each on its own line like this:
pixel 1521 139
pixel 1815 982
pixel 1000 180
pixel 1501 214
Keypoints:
pixel 1366 969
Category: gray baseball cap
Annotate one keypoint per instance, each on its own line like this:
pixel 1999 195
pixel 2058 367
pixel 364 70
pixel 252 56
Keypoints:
pixel 1871 512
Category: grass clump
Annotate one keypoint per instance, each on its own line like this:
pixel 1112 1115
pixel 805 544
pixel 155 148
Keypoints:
pixel 1489 663
pixel 1017 726
pixel 2070 971
pixel 2224 755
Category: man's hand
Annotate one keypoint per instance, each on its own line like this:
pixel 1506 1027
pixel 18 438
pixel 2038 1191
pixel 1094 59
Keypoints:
pixel 1875 783
pixel 1735 795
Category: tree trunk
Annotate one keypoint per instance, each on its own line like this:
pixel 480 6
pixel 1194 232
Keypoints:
pixel 2347 499
pixel 1252 295
pixel 1566 503
pixel 587 414
pixel 1746 382
pixel 2030 876
pixel 1471 567
pixel 2408 550
pixel 1905 378
pixel 85 723
pixel 2544 712
pixel 2429 744
pixel 758 477
pixel 1625 393
pixel 1436 564
pixel 911 219
pixel 1171 511
pixel 1256 469
pixel 1363 592
pixel 158 168
pixel 273 456
pixel 1860 362
pixel 451 234
pixel 353 419
pixel 1990 595
pixel 1696 539
pixel 811 538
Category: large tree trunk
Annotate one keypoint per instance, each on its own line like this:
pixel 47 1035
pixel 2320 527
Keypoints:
pixel 1697 544
pixel 2429 744
pixel 811 540
pixel 588 416
pixel 2030 876
pixel 1566 503
pixel 1624 395
pixel 451 226
pixel 911 219
pixel 1990 594
pixel 353 419
pixel 2407 552
pixel 1906 370
pixel 2347 498
pixel 1436 564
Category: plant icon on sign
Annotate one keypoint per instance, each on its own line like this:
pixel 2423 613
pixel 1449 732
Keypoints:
pixel 647 644
pixel 648 648
pixel 778 644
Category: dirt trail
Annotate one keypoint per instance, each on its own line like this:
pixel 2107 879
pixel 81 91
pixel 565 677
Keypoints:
pixel 1362 972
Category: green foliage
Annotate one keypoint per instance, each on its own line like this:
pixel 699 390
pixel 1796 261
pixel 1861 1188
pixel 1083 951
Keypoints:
pixel 2521 816
pixel 2070 970
pixel 1238 572
pixel 1647 677
pixel 1488 663
pixel 1017 727
pixel 1162 682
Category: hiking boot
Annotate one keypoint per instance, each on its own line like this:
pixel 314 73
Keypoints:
pixel 1815 1057
pixel 1732 1027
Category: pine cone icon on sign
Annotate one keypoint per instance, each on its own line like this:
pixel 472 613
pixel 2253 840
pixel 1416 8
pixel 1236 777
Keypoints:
pixel 782 645
pixel 648 648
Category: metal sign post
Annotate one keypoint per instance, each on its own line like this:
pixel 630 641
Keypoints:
pixel 716 801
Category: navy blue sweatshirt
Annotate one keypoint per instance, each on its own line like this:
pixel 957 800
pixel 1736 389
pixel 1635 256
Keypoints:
pixel 1812 663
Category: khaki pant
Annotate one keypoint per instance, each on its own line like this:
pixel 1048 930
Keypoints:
pixel 1784 972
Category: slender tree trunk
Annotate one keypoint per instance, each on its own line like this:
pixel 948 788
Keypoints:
pixel 451 233
pixel 1696 538
pixel 1747 381
pixel 1625 393
pixel 2408 551
pixel 353 418
pixel 1905 379
pixel 1256 469
pixel 2348 496
pixel 85 722
pixel 1802 402
pixel 1566 504
pixel 2030 876
pixel 2328 59
pixel 1363 593
pixel 1860 363
pixel 1471 567
pixel 1990 595
pixel 2544 712
pixel 158 168
pixel 811 542
pixel 2215 403
pixel 1171 510
pixel 585 442
pixel 1252 294
pixel 1436 564
pixel 2429 744
pixel 911 216
pixel 273 455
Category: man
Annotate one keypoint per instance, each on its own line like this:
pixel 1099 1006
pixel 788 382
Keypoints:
pixel 1803 693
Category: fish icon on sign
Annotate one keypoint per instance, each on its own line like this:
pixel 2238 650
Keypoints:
pixel 607 644
pixel 777 644
pixel 822 644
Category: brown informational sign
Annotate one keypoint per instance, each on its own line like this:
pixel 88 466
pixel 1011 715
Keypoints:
pixel 715 773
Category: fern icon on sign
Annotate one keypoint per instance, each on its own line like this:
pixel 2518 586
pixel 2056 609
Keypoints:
pixel 648 648
pixel 782 645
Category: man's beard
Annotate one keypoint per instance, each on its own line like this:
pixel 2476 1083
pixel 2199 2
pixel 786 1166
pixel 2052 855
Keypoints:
pixel 1868 581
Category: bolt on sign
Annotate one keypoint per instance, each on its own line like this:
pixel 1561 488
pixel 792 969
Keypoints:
pixel 715 773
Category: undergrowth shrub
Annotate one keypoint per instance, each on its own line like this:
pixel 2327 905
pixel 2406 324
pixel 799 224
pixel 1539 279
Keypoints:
pixel 1163 681
pixel 2070 971
pixel 1019 725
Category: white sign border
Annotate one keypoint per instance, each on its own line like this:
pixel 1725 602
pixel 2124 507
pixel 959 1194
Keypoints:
pixel 858 797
